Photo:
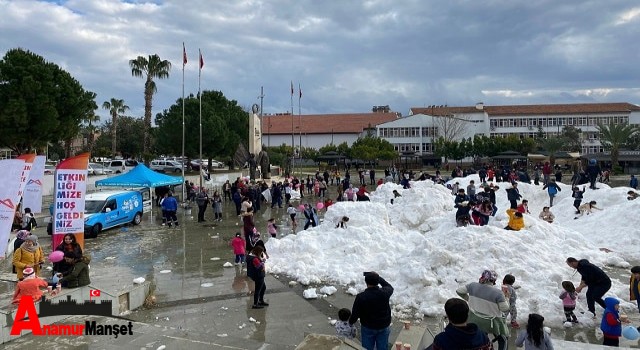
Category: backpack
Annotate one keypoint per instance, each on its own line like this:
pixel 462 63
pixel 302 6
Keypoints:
pixel 552 190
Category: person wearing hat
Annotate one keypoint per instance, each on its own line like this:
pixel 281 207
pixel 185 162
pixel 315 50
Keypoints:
pixel 28 255
pixel 79 274
pixel 372 308
pixel 29 286
pixel 634 288
pixel 488 305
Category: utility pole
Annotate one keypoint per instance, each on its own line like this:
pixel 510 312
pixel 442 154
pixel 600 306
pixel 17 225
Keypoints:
pixel 261 97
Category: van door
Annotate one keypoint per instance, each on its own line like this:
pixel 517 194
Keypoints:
pixel 111 213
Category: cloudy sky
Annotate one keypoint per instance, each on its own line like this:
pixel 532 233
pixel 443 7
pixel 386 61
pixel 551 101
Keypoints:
pixel 347 55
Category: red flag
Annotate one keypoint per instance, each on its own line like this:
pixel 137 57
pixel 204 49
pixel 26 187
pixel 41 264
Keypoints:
pixel 184 55
pixel 300 90
pixel 292 88
pixel 201 60
pixel 94 293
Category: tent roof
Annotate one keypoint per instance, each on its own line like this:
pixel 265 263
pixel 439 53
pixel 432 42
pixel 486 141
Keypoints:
pixel 140 176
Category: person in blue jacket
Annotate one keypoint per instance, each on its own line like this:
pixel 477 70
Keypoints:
pixel 633 183
pixel 170 207
pixel 611 325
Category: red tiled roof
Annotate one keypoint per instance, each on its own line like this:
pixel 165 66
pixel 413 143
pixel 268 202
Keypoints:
pixel 442 110
pixel 353 123
pixel 577 108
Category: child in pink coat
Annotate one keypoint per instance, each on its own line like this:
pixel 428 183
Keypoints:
pixel 272 228
pixel 238 245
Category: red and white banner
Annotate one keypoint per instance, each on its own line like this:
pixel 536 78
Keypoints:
pixel 70 183
pixel 28 164
pixel 11 172
pixel 32 196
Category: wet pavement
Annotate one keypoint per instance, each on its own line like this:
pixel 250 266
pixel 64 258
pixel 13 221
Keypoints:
pixel 199 304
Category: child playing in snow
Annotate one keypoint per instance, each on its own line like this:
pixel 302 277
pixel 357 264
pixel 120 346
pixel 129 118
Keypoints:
pixel 524 207
pixel 343 222
pixel 546 215
pixel 516 221
pixel 577 197
pixel 510 294
pixel 631 195
pixel 587 208
pixel 569 297
pixel 238 245
pixel 343 328
pixel 272 228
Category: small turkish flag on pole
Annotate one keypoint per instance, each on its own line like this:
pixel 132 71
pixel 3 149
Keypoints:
pixel 94 293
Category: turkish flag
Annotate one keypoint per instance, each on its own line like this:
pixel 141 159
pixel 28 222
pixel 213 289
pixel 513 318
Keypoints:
pixel 94 293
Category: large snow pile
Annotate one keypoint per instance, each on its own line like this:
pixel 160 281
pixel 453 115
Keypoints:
pixel 415 245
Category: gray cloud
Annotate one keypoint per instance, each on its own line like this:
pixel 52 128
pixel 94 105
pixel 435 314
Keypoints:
pixel 347 55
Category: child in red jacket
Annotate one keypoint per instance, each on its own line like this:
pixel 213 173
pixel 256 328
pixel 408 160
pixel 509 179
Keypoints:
pixel 238 245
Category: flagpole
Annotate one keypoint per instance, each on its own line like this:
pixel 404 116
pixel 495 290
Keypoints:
pixel 300 126
pixel 200 96
pixel 184 61
pixel 293 146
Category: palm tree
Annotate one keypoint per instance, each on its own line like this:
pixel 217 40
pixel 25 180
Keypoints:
pixel 614 136
pixel 115 107
pixel 90 130
pixel 150 68
pixel 552 145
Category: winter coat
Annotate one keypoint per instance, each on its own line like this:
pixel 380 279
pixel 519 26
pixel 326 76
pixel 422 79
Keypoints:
pixel 22 258
pixel 515 223
pixel 372 306
pixel 513 194
pixel 238 245
pixel 79 276
pixel 610 324
pixel 591 274
pixel 568 299
pixel 255 267
pixel 462 338
pixel 170 204
pixel 634 288
pixel 29 287
pixel 486 305
pixel 552 188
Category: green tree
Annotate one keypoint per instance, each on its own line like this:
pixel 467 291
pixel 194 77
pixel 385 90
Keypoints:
pixel 224 126
pixel 371 148
pixel 149 69
pixel 615 136
pixel 130 141
pixel 115 107
pixel 552 145
pixel 572 137
pixel 39 102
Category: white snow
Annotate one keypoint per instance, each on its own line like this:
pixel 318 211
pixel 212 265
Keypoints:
pixel 310 294
pixel 415 245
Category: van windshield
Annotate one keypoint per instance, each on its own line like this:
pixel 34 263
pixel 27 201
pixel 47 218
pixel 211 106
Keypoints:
pixel 91 207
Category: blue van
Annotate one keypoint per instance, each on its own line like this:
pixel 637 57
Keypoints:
pixel 108 209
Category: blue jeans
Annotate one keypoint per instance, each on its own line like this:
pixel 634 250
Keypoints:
pixel 375 338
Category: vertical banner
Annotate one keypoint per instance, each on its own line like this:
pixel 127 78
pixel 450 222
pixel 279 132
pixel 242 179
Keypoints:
pixel 70 183
pixel 11 172
pixel 32 196
pixel 28 164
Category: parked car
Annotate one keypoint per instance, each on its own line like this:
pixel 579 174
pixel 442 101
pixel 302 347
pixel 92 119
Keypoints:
pixel 166 166
pixel 195 164
pixel 98 169
pixel 104 210
pixel 121 166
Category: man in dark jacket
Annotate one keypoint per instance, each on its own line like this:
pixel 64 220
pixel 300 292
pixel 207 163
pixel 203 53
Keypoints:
pixel 459 334
pixel 202 200
pixel 593 171
pixel 513 195
pixel 596 280
pixel 373 309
